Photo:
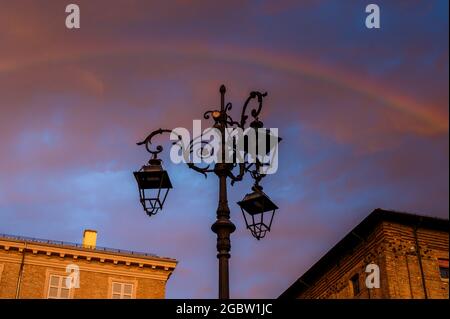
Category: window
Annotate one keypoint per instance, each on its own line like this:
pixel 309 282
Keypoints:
pixel 122 290
pixel 443 268
pixel 355 284
pixel 57 287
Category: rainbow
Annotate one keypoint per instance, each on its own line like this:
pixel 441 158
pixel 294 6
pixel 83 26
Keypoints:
pixel 432 121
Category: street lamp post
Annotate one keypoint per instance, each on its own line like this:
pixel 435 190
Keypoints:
pixel 152 178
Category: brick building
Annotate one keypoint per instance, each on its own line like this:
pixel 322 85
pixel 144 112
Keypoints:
pixel 34 268
pixel 410 252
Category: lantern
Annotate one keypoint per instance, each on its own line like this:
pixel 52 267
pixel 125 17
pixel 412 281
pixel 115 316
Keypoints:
pixel 154 185
pixel 258 211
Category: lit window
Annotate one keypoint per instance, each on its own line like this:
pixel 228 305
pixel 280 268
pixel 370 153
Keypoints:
pixel 443 268
pixel 57 288
pixel 355 284
pixel 122 290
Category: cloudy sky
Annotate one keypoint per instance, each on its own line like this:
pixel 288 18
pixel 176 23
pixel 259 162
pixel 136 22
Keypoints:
pixel 363 115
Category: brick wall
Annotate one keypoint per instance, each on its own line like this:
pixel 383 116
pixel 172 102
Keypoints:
pixel 95 276
pixel 393 248
pixel 404 273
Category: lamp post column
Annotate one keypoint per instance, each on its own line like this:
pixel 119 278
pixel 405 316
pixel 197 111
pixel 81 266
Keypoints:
pixel 223 227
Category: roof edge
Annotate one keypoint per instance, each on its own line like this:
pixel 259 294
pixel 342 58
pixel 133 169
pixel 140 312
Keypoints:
pixel 351 239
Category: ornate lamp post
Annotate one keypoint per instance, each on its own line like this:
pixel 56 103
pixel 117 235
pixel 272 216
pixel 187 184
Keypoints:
pixel 153 178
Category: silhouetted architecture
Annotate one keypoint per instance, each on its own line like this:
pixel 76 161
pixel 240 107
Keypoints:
pixel 411 253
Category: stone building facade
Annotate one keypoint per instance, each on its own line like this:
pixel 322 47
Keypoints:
pixel 410 254
pixel 34 268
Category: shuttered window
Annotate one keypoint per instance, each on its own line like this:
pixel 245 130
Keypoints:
pixel 122 290
pixel 57 288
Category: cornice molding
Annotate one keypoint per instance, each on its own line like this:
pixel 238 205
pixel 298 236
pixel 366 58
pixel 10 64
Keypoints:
pixel 100 256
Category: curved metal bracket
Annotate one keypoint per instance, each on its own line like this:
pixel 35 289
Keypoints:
pixel 148 141
pixel 186 153
pixel 254 112
pixel 206 115
pixel 240 176
pixel 201 170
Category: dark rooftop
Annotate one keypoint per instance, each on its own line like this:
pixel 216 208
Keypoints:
pixel 353 238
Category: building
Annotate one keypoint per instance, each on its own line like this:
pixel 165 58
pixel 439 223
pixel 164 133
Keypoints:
pixel 388 255
pixel 35 268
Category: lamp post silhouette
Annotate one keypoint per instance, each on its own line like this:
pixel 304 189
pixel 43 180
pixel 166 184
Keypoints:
pixel 154 182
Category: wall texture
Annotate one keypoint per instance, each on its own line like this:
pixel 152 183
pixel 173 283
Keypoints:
pixel 25 269
pixel 408 268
